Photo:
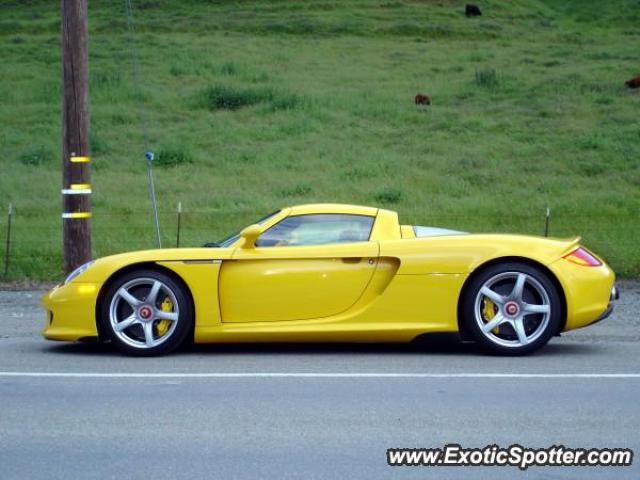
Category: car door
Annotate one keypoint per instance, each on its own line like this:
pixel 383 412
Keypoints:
pixel 304 267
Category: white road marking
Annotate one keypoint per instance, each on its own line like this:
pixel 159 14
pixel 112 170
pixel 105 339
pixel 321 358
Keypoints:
pixel 319 375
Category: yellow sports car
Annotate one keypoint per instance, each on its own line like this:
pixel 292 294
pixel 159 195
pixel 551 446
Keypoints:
pixel 336 273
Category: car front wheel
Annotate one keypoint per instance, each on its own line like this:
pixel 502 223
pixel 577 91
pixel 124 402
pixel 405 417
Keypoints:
pixel 146 313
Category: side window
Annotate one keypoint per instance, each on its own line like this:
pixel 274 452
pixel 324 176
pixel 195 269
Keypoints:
pixel 318 229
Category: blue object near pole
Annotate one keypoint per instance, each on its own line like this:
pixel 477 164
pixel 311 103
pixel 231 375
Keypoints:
pixel 152 194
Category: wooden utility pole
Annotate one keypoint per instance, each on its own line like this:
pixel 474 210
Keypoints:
pixel 76 171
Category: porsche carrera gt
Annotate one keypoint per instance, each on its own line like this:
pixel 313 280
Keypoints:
pixel 327 273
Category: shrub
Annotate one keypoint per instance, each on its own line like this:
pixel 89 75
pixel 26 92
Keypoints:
pixel 172 157
pixel 221 97
pixel 388 195
pixel 391 5
pixel 297 191
pixel 177 70
pixel 487 78
pixel 285 101
pixel 36 156
pixel 96 143
pixel 229 68
pixel 100 80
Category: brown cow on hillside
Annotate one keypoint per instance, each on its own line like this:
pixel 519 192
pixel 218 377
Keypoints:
pixel 422 99
pixel 633 83
pixel 471 10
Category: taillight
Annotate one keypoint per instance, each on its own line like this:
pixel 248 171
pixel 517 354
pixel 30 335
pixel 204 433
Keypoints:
pixel 582 256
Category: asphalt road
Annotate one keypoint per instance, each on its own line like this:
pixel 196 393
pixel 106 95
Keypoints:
pixel 115 419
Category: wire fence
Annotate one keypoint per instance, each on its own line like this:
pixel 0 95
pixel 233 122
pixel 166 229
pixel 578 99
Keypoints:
pixel 34 247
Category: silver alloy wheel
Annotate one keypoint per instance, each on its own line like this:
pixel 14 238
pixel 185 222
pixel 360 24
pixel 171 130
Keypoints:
pixel 527 321
pixel 135 312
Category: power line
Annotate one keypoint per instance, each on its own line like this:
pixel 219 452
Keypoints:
pixel 149 155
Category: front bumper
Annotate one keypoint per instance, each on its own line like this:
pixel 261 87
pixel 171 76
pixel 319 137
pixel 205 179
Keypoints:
pixel 71 311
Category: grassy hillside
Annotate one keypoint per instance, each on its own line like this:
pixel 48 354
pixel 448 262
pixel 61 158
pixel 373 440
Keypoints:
pixel 253 106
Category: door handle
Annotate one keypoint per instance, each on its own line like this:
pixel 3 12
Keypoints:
pixel 351 259
pixel 355 260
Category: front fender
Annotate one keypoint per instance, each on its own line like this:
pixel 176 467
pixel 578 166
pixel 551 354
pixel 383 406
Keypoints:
pixel 104 268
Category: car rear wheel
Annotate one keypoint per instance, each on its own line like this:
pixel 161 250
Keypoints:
pixel 511 309
pixel 146 313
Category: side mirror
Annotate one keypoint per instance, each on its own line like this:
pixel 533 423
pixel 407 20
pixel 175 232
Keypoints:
pixel 250 235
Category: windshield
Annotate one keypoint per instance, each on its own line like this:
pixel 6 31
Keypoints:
pixel 231 239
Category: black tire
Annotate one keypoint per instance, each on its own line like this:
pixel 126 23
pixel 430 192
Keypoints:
pixel 504 338
pixel 132 340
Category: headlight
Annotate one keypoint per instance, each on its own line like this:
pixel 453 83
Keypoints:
pixel 77 272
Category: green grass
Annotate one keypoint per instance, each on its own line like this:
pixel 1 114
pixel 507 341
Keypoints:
pixel 256 105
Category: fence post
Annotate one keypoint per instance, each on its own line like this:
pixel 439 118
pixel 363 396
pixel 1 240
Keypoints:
pixel 179 224
pixel 546 222
pixel 8 244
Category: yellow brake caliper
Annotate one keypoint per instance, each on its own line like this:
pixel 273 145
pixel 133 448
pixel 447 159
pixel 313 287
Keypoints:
pixel 489 311
pixel 163 325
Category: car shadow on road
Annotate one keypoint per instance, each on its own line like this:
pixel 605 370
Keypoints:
pixel 434 344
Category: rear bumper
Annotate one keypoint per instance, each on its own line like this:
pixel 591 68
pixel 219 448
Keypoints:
pixel 587 291
pixel 70 311
pixel 615 296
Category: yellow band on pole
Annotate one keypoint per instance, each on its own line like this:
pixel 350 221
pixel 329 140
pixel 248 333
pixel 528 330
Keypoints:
pixel 77 215
pixel 79 159
pixel 80 186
